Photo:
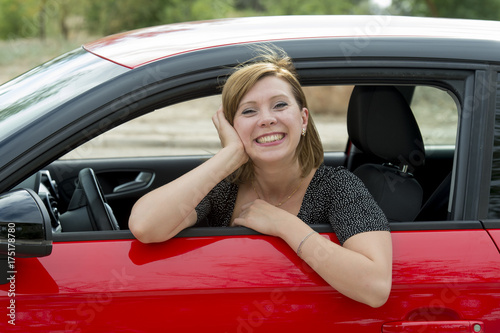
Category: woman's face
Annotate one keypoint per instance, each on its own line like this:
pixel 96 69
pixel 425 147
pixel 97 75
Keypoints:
pixel 270 122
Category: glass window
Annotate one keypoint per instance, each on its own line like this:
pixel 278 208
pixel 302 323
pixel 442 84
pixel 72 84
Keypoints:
pixel 436 114
pixel 187 129
pixel 328 105
pixel 181 129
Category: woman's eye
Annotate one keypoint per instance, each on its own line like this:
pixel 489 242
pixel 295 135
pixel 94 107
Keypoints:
pixel 280 105
pixel 247 112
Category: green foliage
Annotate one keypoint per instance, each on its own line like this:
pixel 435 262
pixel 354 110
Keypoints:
pixel 18 18
pixel 469 9
pixel 317 7
pixel 106 17
pixel 38 18
pixel 301 7
pixel 194 10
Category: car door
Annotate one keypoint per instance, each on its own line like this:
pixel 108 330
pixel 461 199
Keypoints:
pixel 236 280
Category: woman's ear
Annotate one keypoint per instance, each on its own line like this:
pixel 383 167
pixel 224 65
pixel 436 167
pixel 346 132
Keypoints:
pixel 305 116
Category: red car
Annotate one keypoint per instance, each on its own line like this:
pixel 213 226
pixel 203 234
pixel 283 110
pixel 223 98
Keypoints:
pixel 70 264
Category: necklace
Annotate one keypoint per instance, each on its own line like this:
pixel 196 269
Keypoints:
pixel 283 201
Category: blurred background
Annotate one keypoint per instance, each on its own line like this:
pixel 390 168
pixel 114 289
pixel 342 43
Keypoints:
pixel 34 31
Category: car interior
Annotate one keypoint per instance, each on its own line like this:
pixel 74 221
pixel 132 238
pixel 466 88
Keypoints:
pixel 408 172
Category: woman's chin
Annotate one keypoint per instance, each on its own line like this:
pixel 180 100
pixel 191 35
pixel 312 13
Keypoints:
pixel 276 156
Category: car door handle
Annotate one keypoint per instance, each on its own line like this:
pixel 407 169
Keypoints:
pixel 142 180
pixel 459 326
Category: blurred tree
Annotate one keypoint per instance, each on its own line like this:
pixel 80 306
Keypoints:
pixel 193 10
pixel 65 7
pixel 486 10
pixel 107 17
pixel 19 18
pixel 317 7
pixel 41 19
pixel 300 7
pixel 36 18
pixel 254 5
pixel 32 18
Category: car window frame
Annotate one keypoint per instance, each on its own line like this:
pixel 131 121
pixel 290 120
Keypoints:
pixel 453 80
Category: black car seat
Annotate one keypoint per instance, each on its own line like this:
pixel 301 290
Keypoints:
pixel 381 124
pixel 436 207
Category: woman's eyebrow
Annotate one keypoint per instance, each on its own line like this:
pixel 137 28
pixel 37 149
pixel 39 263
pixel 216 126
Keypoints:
pixel 272 97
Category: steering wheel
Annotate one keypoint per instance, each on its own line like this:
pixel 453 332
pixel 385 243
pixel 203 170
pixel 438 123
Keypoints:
pixel 100 211
pixel 88 209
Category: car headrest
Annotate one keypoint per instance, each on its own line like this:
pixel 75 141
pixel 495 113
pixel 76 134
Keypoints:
pixel 381 123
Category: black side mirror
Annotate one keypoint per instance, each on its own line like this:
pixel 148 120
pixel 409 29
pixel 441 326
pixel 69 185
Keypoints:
pixel 25 229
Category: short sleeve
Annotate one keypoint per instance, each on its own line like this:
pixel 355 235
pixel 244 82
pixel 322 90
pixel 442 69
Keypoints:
pixel 354 210
pixel 336 196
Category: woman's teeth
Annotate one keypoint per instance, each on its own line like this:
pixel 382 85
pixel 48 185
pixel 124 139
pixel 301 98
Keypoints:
pixel 270 138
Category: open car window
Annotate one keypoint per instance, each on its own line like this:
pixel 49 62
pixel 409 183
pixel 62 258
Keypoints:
pixel 186 128
pixel 183 135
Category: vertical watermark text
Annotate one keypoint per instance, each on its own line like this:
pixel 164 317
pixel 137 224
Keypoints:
pixel 11 273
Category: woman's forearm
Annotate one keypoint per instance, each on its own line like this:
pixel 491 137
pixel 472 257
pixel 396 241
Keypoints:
pixel 359 271
pixel 163 212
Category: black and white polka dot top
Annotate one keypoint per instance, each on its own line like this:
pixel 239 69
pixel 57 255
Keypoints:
pixel 334 196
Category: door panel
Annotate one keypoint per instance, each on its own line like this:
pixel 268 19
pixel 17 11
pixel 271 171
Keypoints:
pixel 248 282
pixel 123 180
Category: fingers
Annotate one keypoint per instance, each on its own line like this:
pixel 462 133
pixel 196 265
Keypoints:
pixel 216 117
pixel 244 216
pixel 227 133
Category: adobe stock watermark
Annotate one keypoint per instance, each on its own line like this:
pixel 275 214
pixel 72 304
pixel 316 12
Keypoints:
pixel 415 159
pixel 362 36
pixel 439 307
pixel 96 302
pixel 11 273
pixel 35 24
pixel 262 310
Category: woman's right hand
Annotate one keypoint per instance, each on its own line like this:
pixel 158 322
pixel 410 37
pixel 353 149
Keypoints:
pixel 228 135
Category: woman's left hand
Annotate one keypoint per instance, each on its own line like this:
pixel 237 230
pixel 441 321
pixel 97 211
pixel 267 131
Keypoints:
pixel 262 217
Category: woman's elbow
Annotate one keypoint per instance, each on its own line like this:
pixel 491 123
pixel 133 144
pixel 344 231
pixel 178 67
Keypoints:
pixel 380 294
pixel 139 228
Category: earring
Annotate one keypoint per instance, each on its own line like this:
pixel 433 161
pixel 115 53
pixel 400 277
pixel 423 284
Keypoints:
pixel 303 132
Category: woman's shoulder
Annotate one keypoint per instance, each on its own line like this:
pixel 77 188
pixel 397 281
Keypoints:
pixel 336 182
pixel 332 175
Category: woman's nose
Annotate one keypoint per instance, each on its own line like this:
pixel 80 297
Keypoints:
pixel 267 119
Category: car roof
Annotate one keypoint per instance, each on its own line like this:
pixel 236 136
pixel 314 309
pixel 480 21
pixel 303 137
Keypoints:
pixel 138 47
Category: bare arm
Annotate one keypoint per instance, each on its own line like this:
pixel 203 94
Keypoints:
pixel 164 212
pixel 361 269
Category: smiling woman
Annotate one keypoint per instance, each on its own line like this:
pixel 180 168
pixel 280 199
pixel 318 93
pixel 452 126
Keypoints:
pixel 269 176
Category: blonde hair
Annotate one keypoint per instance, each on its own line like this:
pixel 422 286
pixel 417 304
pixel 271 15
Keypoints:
pixel 272 61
